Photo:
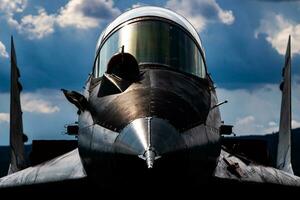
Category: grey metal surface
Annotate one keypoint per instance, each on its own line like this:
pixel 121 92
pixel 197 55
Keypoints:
pixel 201 135
pixel 214 116
pixel 167 94
pixel 207 132
pixel 231 167
pixel 148 133
pixel 134 138
pixel 93 138
pixel 65 167
pixel 103 139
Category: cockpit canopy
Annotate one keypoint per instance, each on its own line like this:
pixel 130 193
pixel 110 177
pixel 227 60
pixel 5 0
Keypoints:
pixel 152 40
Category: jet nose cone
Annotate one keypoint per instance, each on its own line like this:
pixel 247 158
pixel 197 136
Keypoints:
pixel 148 138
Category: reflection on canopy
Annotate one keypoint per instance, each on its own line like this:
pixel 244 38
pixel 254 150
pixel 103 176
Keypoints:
pixel 154 41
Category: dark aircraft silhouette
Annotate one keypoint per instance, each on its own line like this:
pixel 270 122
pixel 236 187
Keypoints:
pixel 149 109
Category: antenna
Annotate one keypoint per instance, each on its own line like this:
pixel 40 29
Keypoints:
pixel 219 104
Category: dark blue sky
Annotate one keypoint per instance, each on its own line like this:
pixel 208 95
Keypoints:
pixel 55 43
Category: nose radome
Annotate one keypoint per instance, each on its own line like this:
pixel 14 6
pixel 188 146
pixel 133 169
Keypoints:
pixel 148 138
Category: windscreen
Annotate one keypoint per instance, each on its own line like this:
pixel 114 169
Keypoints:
pixel 154 41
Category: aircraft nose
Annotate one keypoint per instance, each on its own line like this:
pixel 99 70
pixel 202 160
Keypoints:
pixel 148 138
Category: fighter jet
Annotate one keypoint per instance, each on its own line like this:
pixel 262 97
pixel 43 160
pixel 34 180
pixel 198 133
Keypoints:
pixel 149 109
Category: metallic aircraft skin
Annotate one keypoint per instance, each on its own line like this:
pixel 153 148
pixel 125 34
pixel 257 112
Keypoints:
pixel 155 120
pixel 159 113
pixel 164 112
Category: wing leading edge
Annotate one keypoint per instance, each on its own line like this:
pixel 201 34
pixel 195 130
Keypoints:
pixel 65 167
pixel 233 168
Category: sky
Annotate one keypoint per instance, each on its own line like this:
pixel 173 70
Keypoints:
pixel 244 41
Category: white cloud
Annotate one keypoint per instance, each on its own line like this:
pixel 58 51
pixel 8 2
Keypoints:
pixel 272 123
pixel 200 13
pixel 40 125
pixel 246 124
pixel 35 103
pixel 275 128
pixel 37 26
pixel 4 117
pixel 78 14
pixel 277 30
pixel 246 120
pixel 8 8
pixel 86 14
pixel 272 129
pixel 12 6
pixel 257 111
pixel 137 5
pixel 43 101
pixel 295 124
pixel 3 52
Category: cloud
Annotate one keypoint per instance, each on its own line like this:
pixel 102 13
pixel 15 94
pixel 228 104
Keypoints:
pixel 272 123
pixel 246 124
pixel 77 14
pixel 246 120
pixel 275 128
pixel 36 103
pixel 33 26
pixel 43 123
pixel 12 6
pixel 86 14
pixel 4 117
pixel 37 26
pixel 3 52
pixel 8 8
pixel 277 30
pixel 295 124
pixel 200 13
pixel 272 127
pixel 137 5
pixel 257 111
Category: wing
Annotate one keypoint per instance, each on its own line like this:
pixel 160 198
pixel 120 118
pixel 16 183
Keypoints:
pixel 231 167
pixel 62 168
pixel 234 168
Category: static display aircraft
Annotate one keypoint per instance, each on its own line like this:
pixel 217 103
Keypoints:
pixel 149 107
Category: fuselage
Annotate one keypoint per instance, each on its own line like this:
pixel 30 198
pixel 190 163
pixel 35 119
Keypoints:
pixel 151 102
